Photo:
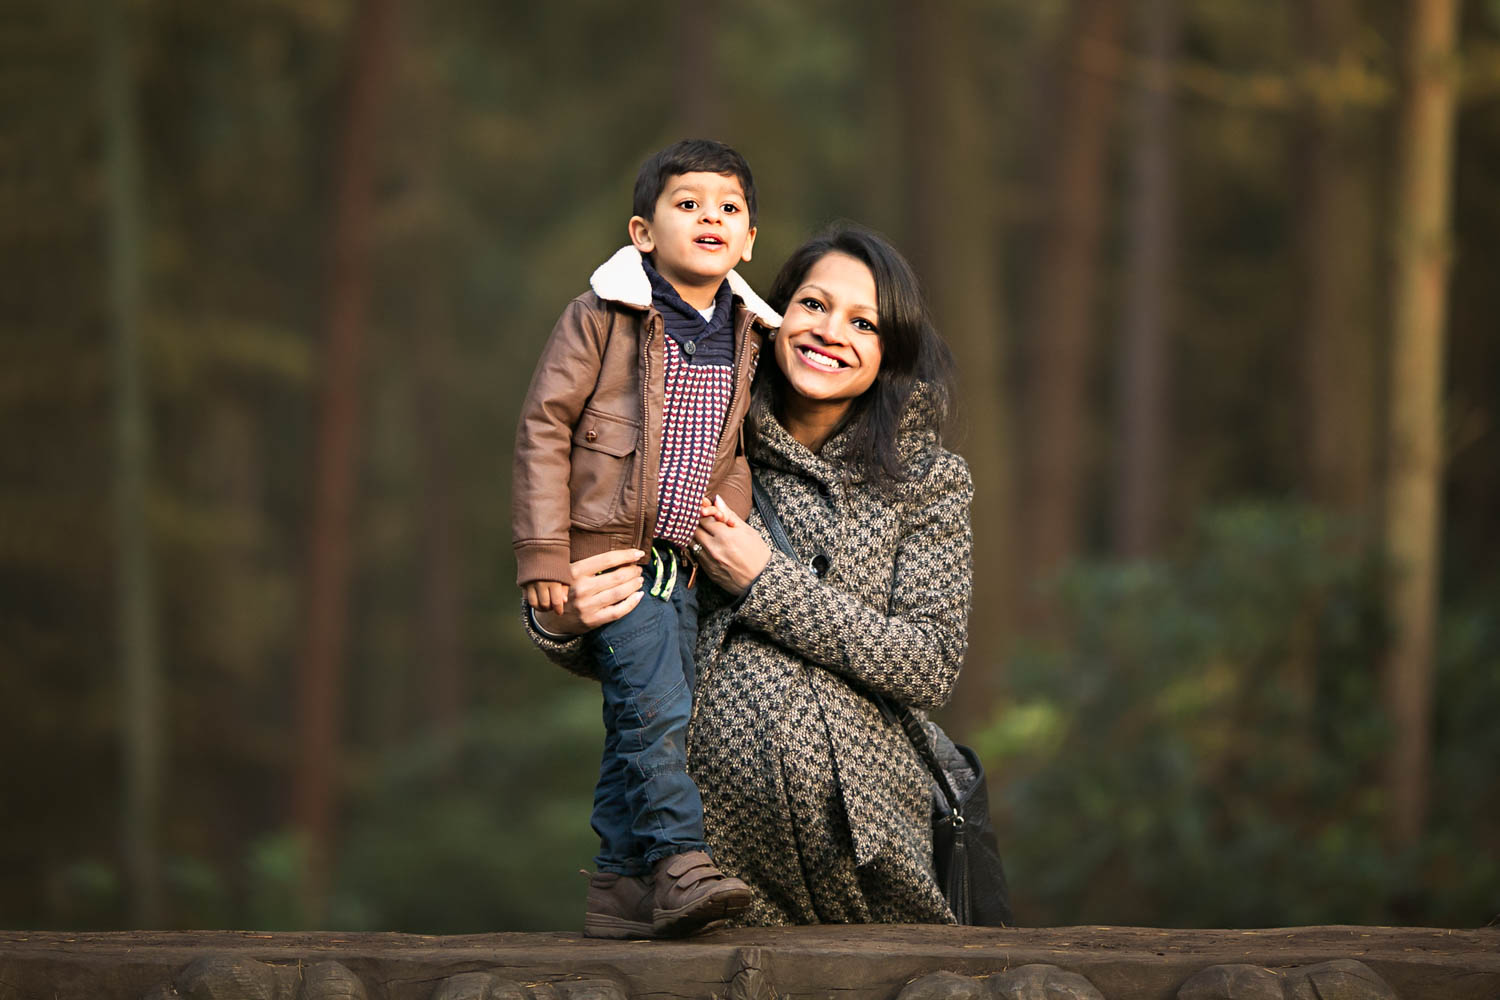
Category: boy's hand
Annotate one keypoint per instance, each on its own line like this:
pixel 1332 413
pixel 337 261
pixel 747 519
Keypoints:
pixel 547 595
pixel 719 511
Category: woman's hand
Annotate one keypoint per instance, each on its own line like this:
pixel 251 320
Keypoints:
pixel 603 589
pixel 732 553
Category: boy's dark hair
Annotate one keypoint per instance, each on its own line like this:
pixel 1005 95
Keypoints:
pixel 689 156
pixel 911 349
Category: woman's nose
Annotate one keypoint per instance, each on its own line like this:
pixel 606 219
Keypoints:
pixel 832 329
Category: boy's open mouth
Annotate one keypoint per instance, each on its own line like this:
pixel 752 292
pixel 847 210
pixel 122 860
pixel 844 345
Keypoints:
pixel 712 241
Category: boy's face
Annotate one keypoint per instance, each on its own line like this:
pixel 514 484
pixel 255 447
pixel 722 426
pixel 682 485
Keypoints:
pixel 700 231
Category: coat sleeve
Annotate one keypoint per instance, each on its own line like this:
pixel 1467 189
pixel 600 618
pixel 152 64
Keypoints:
pixel 564 379
pixel 736 486
pixel 570 653
pixel 911 654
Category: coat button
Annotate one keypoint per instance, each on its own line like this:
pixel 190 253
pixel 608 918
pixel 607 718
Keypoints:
pixel 689 348
pixel 591 436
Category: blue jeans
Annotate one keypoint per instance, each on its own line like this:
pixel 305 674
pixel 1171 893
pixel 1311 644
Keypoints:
pixel 646 807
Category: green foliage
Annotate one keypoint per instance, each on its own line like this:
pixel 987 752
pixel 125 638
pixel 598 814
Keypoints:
pixel 503 178
pixel 85 892
pixel 1205 747
pixel 273 868
pixel 483 829
pixel 476 830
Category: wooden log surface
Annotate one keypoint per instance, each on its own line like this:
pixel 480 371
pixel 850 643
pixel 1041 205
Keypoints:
pixel 843 962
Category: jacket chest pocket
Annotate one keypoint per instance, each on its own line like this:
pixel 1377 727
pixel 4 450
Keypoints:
pixel 601 483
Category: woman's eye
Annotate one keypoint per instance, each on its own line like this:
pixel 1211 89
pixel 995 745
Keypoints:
pixel 812 305
pixel 865 325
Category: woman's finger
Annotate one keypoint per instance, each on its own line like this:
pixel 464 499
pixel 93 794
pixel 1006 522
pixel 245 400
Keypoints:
pixel 596 590
pixel 611 612
pixel 706 542
pixel 714 534
pixel 712 527
pixel 583 580
pixel 615 593
pixel 613 559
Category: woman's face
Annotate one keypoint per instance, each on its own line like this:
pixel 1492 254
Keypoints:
pixel 829 342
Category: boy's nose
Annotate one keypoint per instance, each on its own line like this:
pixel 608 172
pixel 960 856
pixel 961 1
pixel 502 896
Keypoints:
pixel 711 213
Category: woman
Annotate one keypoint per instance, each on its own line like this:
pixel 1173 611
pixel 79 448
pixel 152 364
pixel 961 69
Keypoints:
pixel 810 794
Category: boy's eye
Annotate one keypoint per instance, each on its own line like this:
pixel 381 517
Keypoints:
pixel 688 204
pixel 729 208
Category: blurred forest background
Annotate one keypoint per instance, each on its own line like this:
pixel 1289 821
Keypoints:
pixel 1220 275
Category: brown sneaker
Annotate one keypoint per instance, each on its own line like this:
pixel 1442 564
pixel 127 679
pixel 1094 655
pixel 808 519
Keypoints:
pixel 691 892
pixel 618 906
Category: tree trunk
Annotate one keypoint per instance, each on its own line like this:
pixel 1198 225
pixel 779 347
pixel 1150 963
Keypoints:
pixel 1424 154
pixel 697 71
pixel 319 694
pixel 1141 391
pixel 956 253
pixel 1336 232
pixel 440 629
pixel 1062 339
pixel 143 746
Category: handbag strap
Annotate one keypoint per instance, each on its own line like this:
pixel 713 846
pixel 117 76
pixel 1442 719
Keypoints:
pixel 906 718
pixel 922 742
pixel 768 515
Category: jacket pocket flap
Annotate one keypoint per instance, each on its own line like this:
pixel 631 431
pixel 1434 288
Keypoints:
pixel 604 433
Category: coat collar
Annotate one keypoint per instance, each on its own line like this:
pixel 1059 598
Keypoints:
pixel 622 279
pixel 917 441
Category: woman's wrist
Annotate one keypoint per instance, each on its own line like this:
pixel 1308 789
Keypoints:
pixel 744 595
pixel 542 630
pixel 750 578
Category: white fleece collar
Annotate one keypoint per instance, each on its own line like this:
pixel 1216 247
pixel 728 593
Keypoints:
pixel 622 279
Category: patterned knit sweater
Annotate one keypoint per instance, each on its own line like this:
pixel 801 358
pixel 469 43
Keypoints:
pixel 810 795
pixel 698 376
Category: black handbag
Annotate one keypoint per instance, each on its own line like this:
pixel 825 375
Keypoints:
pixel 965 852
pixel 964 849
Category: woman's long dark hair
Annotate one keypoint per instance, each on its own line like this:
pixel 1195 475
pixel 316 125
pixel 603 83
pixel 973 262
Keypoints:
pixel 911 350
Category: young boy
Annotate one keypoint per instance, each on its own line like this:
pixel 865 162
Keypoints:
pixel 632 420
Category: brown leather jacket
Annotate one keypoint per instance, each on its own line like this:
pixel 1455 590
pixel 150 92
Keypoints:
pixel 588 442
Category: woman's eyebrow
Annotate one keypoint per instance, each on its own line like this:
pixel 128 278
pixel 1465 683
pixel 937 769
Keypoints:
pixel 863 306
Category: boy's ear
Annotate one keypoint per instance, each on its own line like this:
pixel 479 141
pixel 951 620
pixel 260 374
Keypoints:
pixel 749 244
pixel 640 234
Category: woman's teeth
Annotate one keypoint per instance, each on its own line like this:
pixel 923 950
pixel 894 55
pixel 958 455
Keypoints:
pixel 821 360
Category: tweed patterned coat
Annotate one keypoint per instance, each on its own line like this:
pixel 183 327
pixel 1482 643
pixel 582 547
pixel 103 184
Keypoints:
pixel 810 795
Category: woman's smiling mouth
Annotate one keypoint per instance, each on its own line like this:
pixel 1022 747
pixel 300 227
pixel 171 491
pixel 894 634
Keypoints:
pixel 818 359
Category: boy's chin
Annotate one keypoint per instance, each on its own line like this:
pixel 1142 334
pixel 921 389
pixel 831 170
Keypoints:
pixel 695 276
